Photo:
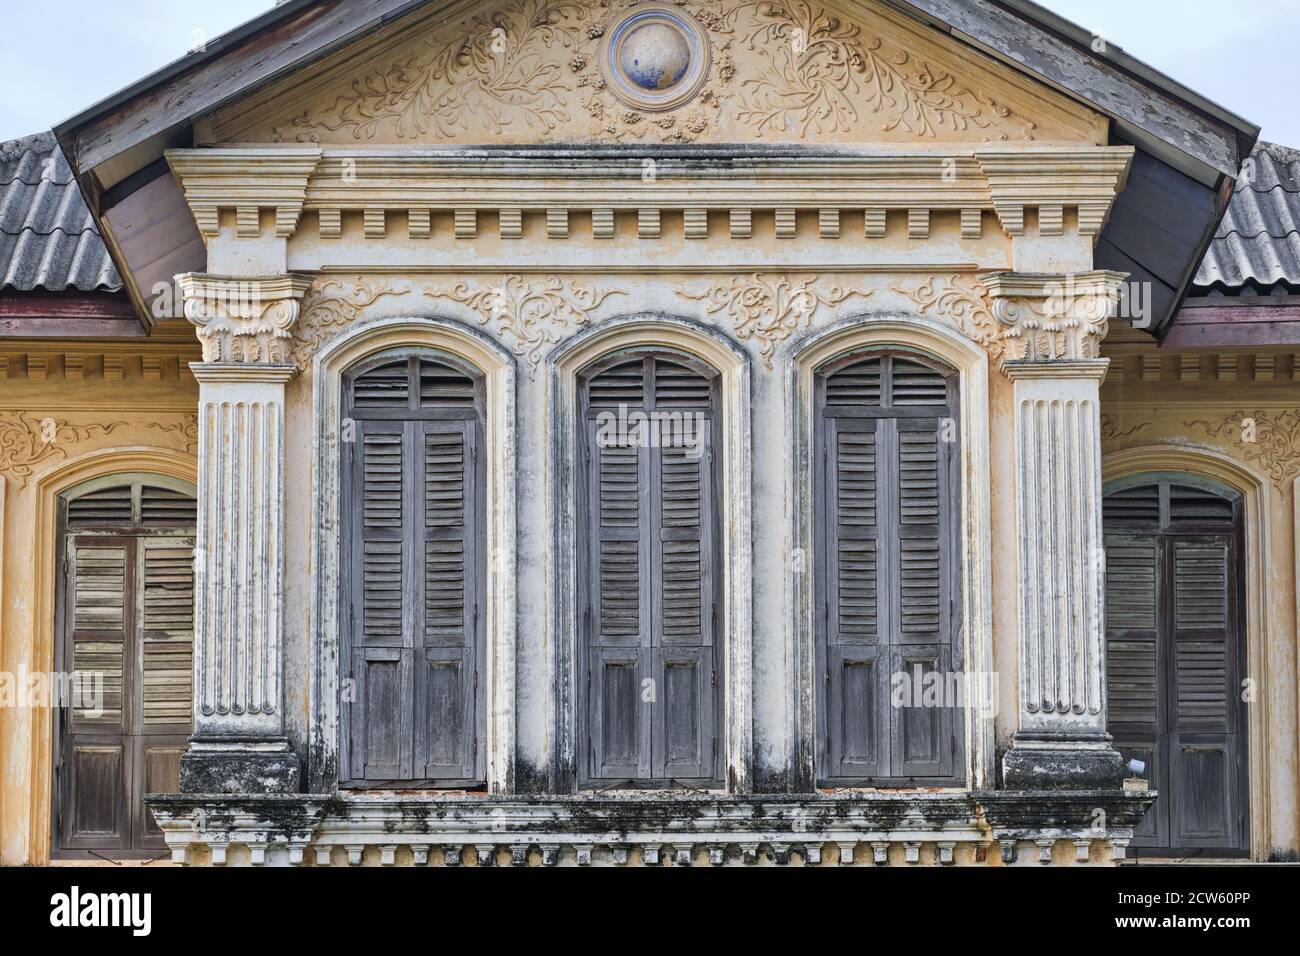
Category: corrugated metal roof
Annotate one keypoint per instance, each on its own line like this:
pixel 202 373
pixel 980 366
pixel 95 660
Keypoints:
pixel 1257 247
pixel 48 239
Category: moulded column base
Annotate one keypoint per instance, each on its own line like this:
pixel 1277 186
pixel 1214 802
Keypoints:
pixel 1062 762
pixel 231 764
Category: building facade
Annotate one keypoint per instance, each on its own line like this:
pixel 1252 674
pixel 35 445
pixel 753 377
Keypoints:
pixel 632 432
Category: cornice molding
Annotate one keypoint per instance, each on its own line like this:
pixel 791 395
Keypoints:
pixel 240 320
pixel 472 183
pixel 247 180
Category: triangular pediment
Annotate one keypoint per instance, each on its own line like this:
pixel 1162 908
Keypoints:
pixel 518 72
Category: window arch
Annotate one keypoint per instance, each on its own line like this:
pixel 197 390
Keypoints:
pixel 413 571
pixel 125 619
pixel 888 575
pixel 649 570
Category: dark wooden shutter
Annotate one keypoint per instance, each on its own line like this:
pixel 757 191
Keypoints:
pixel 1174 656
pixel 414 576
pixel 128 619
pixel 649 596
pixel 887 576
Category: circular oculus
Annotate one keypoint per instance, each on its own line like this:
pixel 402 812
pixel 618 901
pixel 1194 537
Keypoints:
pixel 655 57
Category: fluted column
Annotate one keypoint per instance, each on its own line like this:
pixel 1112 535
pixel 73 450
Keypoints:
pixel 239 743
pixel 1053 327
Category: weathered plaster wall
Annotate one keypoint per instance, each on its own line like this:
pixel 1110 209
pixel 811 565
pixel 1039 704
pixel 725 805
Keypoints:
pixel 69 412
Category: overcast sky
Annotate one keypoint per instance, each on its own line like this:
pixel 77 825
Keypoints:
pixel 59 56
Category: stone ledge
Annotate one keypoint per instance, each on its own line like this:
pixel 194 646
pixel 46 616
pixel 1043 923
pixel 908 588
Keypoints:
pixel 714 829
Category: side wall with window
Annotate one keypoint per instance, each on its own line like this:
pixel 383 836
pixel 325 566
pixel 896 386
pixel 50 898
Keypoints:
pixel 123 410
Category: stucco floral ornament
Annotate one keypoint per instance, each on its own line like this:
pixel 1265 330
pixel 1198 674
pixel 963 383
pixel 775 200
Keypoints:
pixel 963 304
pixel 769 308
pixel 243 320
pixel 333 304
pixel 26 442
pixel 535 313
pixel 1270 440
pixel 489 74
pixel 821 67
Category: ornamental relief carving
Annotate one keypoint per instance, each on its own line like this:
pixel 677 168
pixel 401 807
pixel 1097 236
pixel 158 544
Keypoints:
pixel 330 306
pixel 962 302
pixel 184 433
pixel 27 441
pixel 533 313
pixel 768 309
pixel 1268 440
pixel 775 70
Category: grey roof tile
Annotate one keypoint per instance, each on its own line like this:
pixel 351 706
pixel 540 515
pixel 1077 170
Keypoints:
pixel 48 239
pixel 1257 245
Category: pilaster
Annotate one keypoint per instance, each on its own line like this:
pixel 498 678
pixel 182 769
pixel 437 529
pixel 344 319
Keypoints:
pixel 239 744
pixel 1053 327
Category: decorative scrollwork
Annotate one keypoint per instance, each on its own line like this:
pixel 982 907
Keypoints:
pixel 27 441
pixel 536 314
pixel 771 308
pixel 330 306
pixel 1270 440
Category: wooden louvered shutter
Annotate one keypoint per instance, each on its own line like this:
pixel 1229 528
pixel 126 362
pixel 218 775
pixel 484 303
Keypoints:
pixel 650 647
pixel 1204 751
pixel 415 576
pixel 128 633
pixel 100 592
pixel 382 604
pixel 887 571
pixel 444 686
pixel 1133 692
pixel 1173 628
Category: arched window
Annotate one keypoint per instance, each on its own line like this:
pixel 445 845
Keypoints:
pixel 126 627
pixel 649 571
pixel 887 572
pixel 412 576
pixel 1175 658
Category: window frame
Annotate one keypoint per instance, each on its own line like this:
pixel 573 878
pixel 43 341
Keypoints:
pixel 134 813
pixel 585 780
pixel 954 572
pixel 478 416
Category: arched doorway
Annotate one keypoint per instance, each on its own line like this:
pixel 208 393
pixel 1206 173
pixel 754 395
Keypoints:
pixel 1176 657
pixel 125 625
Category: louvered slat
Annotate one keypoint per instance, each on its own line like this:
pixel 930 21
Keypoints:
pixel 622 385
pixel 168 632
pixel 382 481
pixel 99 615
pixel 920 551
pixel 387 386
pixel 1199 506
pixel 1200 587
pixel 619 555
pixel 105 508
pixel 855 522
pixel 1131 689
pixel 1140 505
pixel 1131 587
pixel 681 504
pixel 858 384
pixel 442 386
pixel 164 508
pixel 677 386
pixel 914 384
pixel 444 549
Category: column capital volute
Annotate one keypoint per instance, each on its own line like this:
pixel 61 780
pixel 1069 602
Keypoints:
pixel 1053 318
pixel 244 320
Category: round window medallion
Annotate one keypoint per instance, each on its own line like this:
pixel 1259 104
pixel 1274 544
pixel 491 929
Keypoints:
pixel 655 57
